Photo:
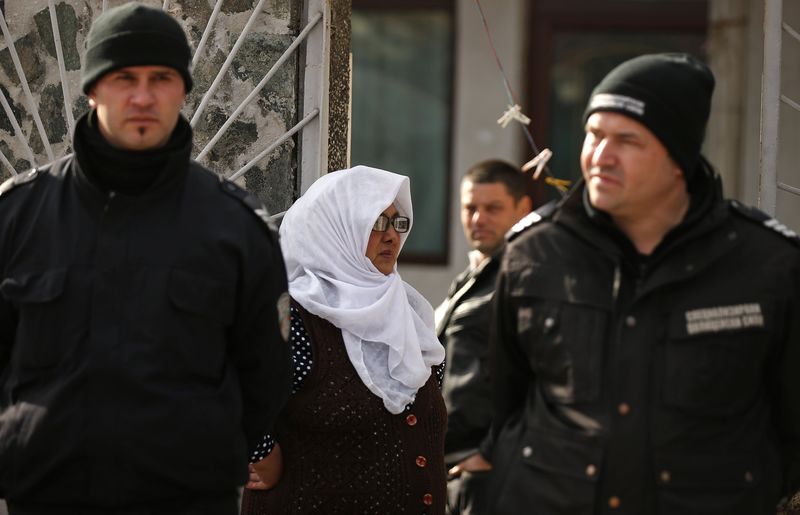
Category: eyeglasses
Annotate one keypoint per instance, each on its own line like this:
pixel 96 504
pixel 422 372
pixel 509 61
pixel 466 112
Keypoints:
pixel 400 223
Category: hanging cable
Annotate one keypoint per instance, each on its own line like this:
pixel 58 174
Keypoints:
pixel 514 111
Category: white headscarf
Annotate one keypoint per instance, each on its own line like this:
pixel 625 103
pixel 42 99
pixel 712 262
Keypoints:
pixel 386 324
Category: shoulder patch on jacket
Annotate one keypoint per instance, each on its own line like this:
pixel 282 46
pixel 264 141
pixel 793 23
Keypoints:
pixel 531 219
pixel 762 218
pixel 250 201
pixel 527 221
pixel 18 180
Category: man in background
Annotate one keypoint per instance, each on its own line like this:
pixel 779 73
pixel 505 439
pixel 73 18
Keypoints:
pixel 493 198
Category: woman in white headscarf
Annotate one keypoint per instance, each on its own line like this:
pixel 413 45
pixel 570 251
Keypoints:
pixel 364 430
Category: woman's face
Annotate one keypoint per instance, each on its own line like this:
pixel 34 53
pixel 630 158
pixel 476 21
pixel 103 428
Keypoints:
pixel 383 247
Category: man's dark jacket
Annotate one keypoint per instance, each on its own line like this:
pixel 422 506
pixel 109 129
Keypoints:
pixel 666 385
pixel 462 326
pixel 140 350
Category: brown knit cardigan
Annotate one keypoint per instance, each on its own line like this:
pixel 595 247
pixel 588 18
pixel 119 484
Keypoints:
pixel 344 453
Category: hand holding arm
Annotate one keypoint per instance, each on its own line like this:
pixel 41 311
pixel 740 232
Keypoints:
pixel 266 473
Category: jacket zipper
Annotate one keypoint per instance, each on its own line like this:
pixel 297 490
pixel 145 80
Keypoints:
pixel 111 195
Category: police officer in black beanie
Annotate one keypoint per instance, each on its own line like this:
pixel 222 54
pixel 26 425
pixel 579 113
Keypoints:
pixel 143 304
pixel 646 337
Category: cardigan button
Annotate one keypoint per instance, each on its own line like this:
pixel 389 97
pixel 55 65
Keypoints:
pixel 411 420
pixel 421 461
pixel 427 499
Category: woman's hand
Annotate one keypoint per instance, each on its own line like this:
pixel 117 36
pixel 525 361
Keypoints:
pixel 266 473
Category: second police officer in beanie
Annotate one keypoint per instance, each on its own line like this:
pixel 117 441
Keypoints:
pixel 647 334
pixel 141 300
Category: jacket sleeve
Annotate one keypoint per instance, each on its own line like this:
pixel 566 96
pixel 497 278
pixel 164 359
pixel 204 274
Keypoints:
pixel 511 374
pixel 467 387
pixel 8 317
pixel 257 345
pixel 8 326
pixel 788 407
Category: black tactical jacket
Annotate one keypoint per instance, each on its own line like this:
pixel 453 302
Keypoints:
pixel 462 325
pixel 660 386
pixel 140 350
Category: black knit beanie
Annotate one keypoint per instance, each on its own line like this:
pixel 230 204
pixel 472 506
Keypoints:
pixel 670 94
pixel 135 35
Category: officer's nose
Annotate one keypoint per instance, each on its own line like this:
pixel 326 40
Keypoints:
pixel 604 154
pixel 142 95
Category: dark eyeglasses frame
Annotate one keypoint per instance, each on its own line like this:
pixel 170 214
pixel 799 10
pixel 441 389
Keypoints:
pixel 401 224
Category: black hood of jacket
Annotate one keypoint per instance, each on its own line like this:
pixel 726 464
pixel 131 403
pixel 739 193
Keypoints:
pixel 128 172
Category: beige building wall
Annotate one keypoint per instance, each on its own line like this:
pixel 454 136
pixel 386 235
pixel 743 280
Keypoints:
pixel 727 44
pixel 736 49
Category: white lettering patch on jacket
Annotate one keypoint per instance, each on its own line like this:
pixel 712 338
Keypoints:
pixel 724 318
pixel 622 102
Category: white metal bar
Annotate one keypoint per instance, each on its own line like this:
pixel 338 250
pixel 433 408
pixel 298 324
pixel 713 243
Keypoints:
pixel 166 4
pixel 105 3
pixel 790 189
pixel 288 134
pixel 214 85
pixel 5 162
pixel 789 30
pixel 770 107
pixel 314 140
pixel 350 109
pixel 17 128
pixel 791 103
pixel 272 71
pixel 24 82
pixel 201 46
pixel 62 70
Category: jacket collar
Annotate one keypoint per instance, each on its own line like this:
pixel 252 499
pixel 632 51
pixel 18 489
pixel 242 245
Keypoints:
pixel 706 212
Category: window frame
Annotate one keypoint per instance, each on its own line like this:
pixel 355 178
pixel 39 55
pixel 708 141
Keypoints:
pixel 432 258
